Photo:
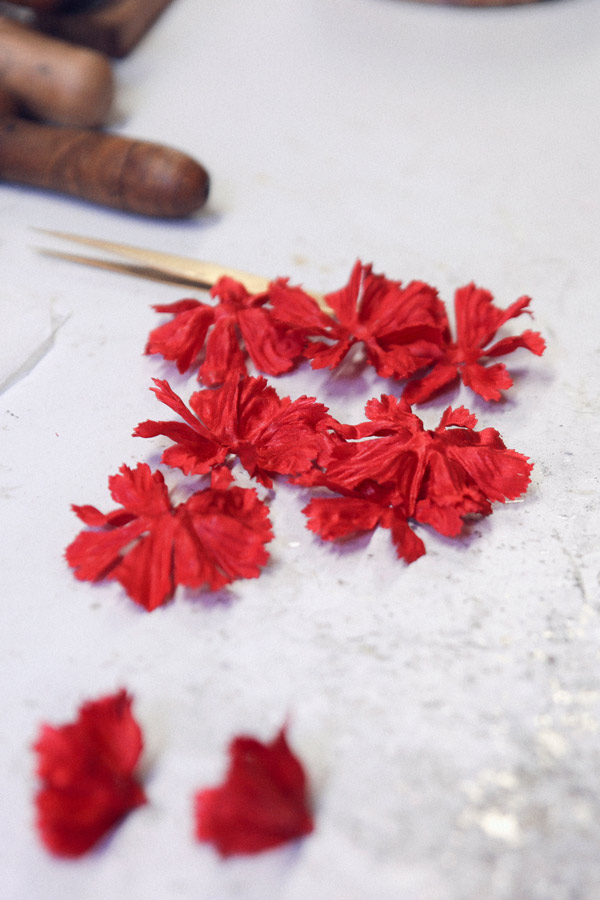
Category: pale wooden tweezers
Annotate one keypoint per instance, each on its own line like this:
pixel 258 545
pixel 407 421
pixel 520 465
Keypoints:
pixel 159 266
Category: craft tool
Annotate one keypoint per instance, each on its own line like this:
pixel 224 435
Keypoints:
pixel 43 4
pixel 159 266
pixel 114 26
pixel 52 79
pixel 127 174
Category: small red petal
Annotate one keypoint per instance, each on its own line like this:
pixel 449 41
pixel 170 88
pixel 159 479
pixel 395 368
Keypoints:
pixel 87 771
pixel 262 802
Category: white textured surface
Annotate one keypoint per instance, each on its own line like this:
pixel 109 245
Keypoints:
pixel 448 712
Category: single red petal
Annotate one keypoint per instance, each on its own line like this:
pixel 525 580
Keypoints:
pixel 296 308
pixel 87 774
pixel 224 357
pixel 323 355
pixel 442 376
pixel 232 527
pixel 445 518
pixel 409 546
pixel 500 474
pixel 459 417
pixel 487 381
pixel 335 518
pixel 146 570
pixel 478 319
pixel 529 340
pixel 262 802
pixel 90 515
pixel 182 339
pixel 234 294
pixel 272 347
pixel 141 491
pixel 179 306
pixel 345 301
pixel 94 554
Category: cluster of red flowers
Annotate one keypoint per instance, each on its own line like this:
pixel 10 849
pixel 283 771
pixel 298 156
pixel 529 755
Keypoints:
pixel 388 470
pixel 89 782
pixel 404 332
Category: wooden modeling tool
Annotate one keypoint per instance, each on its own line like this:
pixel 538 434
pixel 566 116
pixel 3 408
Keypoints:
pixel 113 26
pixel 159 266
pixel 53 80
pixel 122 173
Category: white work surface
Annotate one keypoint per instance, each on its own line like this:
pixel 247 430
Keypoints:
pixel 447 712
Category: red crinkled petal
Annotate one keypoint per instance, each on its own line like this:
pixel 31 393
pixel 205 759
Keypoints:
pixel 224 357
pixel 297 309
pixel 529 340
pixel 216 536
pixel 441 377
pixel 327 356
pixel 487 381
pixel 478 319
pixel 87 772
pixel 409 546
pixel 272 347
pixel 262 802
pixel 345 301
pixel 182 339
pixel 335 518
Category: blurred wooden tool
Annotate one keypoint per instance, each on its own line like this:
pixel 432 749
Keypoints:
pixel 42 4
pixel 123 173
pixel 113 27
pixel 52 79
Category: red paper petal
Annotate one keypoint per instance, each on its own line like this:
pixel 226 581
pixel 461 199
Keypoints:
pixel 87 772
pixel 272 347
pixel 488 381
pixel 262 802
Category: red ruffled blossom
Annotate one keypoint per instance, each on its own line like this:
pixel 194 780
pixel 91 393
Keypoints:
pixel 397 470
pixel 87 769
pixel 150 546
pixel 262 802
pixel 401 328
pixel 245 417
pixel 477 321
pixel 239 320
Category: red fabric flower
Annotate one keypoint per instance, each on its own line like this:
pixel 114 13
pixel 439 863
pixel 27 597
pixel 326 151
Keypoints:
pixel 239 319
pixel 149 546
pixel 477 321
pixel 247 418
pixel 401 328
pixel 262 802
pixel 396 470
pixel 87 772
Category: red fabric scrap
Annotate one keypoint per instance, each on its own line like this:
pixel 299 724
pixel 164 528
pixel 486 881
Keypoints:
pixel 397 470
pixel 87 771
pixel 149 546
pixel 244 417
pixel 262 802
pixel 401 328
pixel 239 320
pixel 477 321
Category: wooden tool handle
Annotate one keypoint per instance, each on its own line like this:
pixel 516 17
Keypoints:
pixel 52 79
pixel 131 175
pixel 45 5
